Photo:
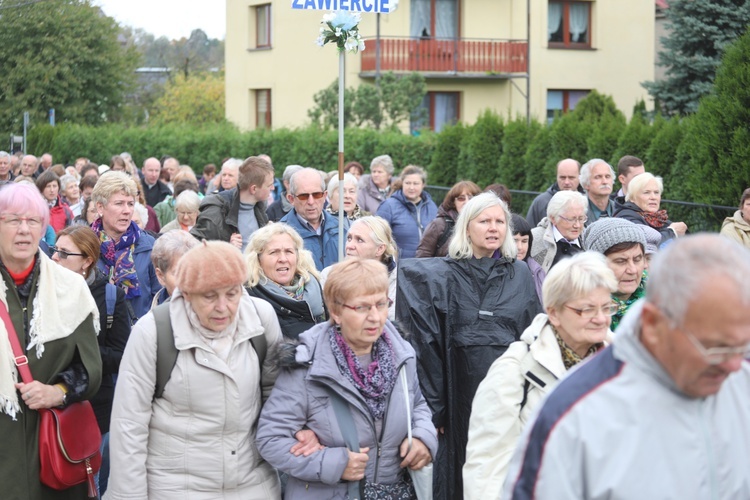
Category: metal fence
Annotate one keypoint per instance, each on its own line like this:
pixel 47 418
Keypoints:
pixel 698 217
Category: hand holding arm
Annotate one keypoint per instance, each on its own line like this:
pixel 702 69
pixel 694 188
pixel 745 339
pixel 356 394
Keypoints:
pixel 416 457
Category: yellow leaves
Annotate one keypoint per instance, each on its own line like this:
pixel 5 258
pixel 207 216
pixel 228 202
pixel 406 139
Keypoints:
pixel 197 99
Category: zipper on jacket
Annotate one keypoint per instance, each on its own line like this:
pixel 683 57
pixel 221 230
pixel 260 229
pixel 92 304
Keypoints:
pixel 382 433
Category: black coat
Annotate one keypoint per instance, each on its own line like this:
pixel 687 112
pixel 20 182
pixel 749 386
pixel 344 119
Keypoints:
pixel 462 315
pixel 111 346
pixel 632 212
pixel 295 316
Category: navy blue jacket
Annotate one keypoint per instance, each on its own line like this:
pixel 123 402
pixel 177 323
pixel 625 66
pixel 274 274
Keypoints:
pixel 324 248
pixel 402 215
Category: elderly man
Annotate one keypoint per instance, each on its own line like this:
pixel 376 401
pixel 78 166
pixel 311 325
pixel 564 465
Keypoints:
pixel 320 231
pixel 45 162
pixel 627 168
pixel 662 412
pixel 154 190
pixel 29 165
pixel 235 214
pixel 5 172
pixel 597 178
pixel 567 180
pixel 560 234
pixel 282 206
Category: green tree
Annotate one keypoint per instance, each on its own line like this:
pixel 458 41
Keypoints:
pixel 445 166
pixel 699 32
pixel 662 152
pixel 199 99
pixel 61 54
pixel 485 145
pixel 540 161
pixel 634 140
pixel 516 139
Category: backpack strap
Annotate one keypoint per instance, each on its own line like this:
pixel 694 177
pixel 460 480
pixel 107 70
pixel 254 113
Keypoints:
pixel 166 352
pixel 447 232
pixel 110 298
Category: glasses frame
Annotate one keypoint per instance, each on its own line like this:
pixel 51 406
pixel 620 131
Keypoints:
pixel 613 308
pixel 716 355
pixel 306 196
pixel 365 309
pixel 581 220
pixel 64 254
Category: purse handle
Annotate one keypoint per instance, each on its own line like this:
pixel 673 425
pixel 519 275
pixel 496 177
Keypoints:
pixel 402 374
pixel 19 358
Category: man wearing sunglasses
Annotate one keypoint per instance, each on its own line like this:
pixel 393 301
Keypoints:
pixel 664 411
pixel 307 194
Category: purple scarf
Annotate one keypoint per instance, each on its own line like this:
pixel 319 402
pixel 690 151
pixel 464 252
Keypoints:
pixel 375 382
pixel 118 258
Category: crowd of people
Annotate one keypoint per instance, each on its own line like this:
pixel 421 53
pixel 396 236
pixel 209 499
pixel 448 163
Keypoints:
pixel 232 348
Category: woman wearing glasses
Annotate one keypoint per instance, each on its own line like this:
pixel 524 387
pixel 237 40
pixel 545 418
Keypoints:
pixel 56 321
pixel 77 249
pixel 438 234
pixel 560 234
pixel 354 360
pixel 575 327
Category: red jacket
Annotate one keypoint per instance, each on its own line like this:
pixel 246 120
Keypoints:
pixel 60 215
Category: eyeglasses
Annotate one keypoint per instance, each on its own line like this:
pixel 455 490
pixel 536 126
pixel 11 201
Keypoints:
pixel 717 355
pixel 63 254
pixel 464 197
pixel 580 220
pixel 306 196
pixel 15 221
pixel 381 306
pixel 592 312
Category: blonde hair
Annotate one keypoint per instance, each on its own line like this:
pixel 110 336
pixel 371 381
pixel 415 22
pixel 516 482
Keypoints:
pixel 381 234
pixel 354 277
pixel 112 183
pixel 638 184
pixel 460 245
pixel 258 242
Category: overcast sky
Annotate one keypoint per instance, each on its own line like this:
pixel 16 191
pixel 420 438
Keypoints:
pixel 171 18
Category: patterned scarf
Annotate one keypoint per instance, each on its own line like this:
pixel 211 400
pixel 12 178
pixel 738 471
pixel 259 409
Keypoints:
pixel 657 219
pixel 624 304
pixel 375 382
pixel 118 258
pixel 569 357
pixel 357 213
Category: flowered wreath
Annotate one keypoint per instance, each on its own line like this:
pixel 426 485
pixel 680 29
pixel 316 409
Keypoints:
pixel 341 28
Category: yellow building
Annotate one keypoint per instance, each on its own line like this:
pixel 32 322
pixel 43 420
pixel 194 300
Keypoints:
pixel 473 54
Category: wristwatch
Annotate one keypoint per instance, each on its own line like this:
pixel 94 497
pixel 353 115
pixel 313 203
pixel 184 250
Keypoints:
pixel 64 393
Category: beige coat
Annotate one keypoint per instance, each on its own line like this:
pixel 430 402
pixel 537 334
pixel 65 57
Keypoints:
pixel 198 440
pixel 736 228
pixel 497 418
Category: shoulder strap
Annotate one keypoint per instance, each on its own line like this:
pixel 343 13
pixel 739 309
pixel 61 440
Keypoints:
pixel 447 232
pixel 110 297
pixel 349 432
pixel 19 358
pixel 166 352
pixel 261 346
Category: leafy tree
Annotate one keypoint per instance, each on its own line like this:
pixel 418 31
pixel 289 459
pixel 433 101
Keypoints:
pixel 662 152
pixel 197 100
pixel 401 96
pixel 445 166
pixel 516 139
pixel 485 145
pixel 699 32
pixel 634 140
pixel 326 109
pixel 61 54
pixel 540 161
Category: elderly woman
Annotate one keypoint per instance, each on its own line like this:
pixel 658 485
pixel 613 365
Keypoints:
pixel 186 208
pixel 196 439
pixel 642 207
pixel 167 251
pixel 77 249
pixel 623 243
pixel 370 238
pixel 282 272
pixel 737 227
pixel 166 210
pixel 463 312
pixel 88 214
pixel 125 249
pixel 60 214
pixel 56 322
pixel 351 209
pixel 355 357
pixel 438 234
pixel 575 326
pixel 559 235
pixel 409 211
pixel 71 194
pixel 375 187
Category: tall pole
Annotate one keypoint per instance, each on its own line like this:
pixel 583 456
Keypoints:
pixel 342 77
pixel 377 49
pixel 528 62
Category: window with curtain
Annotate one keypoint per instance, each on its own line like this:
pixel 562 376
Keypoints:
pixel 562 101
pixel 444 24
pixel 569 24
pixel 263 108
pixel 263 26
pixel 437 110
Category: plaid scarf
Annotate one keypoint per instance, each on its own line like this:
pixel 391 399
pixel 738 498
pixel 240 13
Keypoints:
pixel 119 263
pixel 377 381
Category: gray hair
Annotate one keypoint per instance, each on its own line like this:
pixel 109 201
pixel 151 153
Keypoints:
pixel 585 176
pixel 289 171
pixel 232 164
pixel 142 214
pixel 678 272
pixel 296 175
pixel 188 200
pixel 638 184
pixel 334 182
pixel 562 200
pixel 65 180
pixel 4 154
pixel 384 161
pixel 460 245
pixel 115 182
pixel 169 247
pixel 576 277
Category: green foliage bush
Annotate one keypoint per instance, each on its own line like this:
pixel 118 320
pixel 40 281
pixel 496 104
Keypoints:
pixel 485 145
pixel 445 168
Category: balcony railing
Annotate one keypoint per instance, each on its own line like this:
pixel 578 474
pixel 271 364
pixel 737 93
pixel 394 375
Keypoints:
pixel 461 55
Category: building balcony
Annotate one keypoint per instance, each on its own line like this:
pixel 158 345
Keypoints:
pixel 451 58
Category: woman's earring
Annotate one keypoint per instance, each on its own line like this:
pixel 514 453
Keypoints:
pixel 338 328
